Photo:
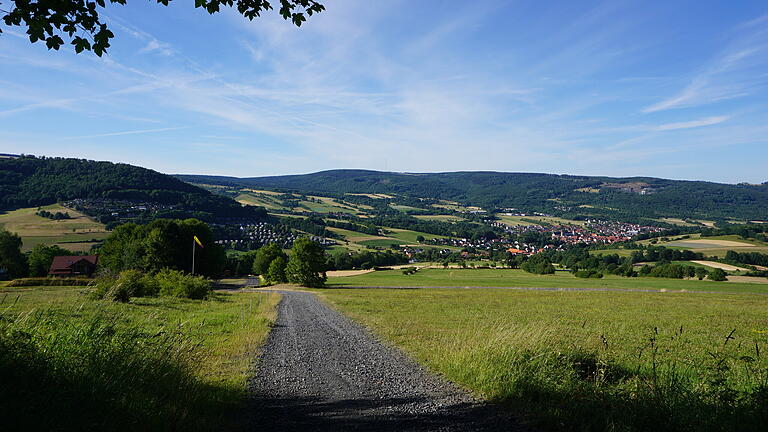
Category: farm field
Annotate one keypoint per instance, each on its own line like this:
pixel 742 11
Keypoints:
pixel 536 220
pixel 256 199
pixel 442 218
pixel 715 246
pixel 619 252
pixel 219 337
pixel 521 279
pixel 585 360
pixel 75 234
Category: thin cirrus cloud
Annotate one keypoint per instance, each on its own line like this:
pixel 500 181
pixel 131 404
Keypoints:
pixel 709 121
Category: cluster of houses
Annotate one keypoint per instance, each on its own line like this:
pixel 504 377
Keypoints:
pixel 592 232
pixel 106 210
pixel 254 235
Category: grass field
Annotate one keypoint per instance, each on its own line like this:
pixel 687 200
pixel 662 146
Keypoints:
pixel 75 234
pixel 221 336
pixel 520 278
pixel 409 236
pixel 587 361
pixel 261 200
pixel 619 252
pixel 442 218
pixel 536 220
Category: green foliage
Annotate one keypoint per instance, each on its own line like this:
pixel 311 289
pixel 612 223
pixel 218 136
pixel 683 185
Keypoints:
pixel 306 264
pixel 538 264
pixel 52 368
pixel 490 190
pixel 276 272
pixel 588 273
pixel 30 182
pixel 674 271
pixel 51 22
pixel 41 257
pixel 701 273
pixel 54 215
pixel 127 284
pixel 410 270
pixel 718 275
pixel 264 257
pixel 163 243
pixel 13 263
pixel 174 283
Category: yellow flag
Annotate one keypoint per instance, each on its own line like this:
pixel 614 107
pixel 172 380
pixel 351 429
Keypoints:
pixel 197 240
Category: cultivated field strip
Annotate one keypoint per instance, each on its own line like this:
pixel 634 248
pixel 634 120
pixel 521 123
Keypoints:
pixel 321 371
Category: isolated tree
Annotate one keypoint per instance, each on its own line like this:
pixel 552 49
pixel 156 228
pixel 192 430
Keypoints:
pixel 306 264
pixel 718 275
pixel 41 257
pixel 12 261
pixel 51 21
pixel 264 257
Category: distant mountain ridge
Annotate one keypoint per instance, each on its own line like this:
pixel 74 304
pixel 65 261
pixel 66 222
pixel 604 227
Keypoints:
pixel 582 196
pixel 35 181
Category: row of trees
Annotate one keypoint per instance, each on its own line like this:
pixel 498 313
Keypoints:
pixel 15 264
pixel 306 265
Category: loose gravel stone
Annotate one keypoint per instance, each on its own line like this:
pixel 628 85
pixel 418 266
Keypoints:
pixel 320 372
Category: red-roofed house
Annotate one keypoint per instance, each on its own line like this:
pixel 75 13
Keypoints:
pixel 73 265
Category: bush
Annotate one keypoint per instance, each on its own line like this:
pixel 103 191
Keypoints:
pixel 718 275
pixel 174 283
pixel 588 273
pixel 410 270
pixel 132 283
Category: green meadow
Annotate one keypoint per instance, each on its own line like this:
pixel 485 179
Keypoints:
pixel 521 279
pixel 587 361
pixel 84 364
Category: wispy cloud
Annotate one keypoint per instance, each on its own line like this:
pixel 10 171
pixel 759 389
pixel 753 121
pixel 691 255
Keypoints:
pixel 709 121
pixel 130 132
pixel 728 75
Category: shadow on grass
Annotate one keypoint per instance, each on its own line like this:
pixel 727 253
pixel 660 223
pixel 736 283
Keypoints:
pixel 75 375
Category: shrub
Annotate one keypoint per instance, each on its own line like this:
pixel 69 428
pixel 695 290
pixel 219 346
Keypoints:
pixel 718 275
pixel 174 283
pixel 410 270
pixel 588 273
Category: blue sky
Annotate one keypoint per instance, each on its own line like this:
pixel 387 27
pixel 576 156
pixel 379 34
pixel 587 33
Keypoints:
pixel 668 89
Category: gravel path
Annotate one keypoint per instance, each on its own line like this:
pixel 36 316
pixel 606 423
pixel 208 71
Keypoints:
pixel 320 372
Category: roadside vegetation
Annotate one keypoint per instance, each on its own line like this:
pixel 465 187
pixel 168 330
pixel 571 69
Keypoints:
pixel 68 362
pixel 586 360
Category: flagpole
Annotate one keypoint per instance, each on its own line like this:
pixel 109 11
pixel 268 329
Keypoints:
pixel 193 256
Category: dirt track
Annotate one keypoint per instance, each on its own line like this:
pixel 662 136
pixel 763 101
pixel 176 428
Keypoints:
pixel 321 372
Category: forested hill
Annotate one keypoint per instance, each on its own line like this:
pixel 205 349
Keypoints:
pixel 30 181
pixel 560 194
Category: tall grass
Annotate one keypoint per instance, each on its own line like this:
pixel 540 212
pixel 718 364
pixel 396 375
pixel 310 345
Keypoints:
pixel 587 361
pixel 107 366
pixel 590 386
